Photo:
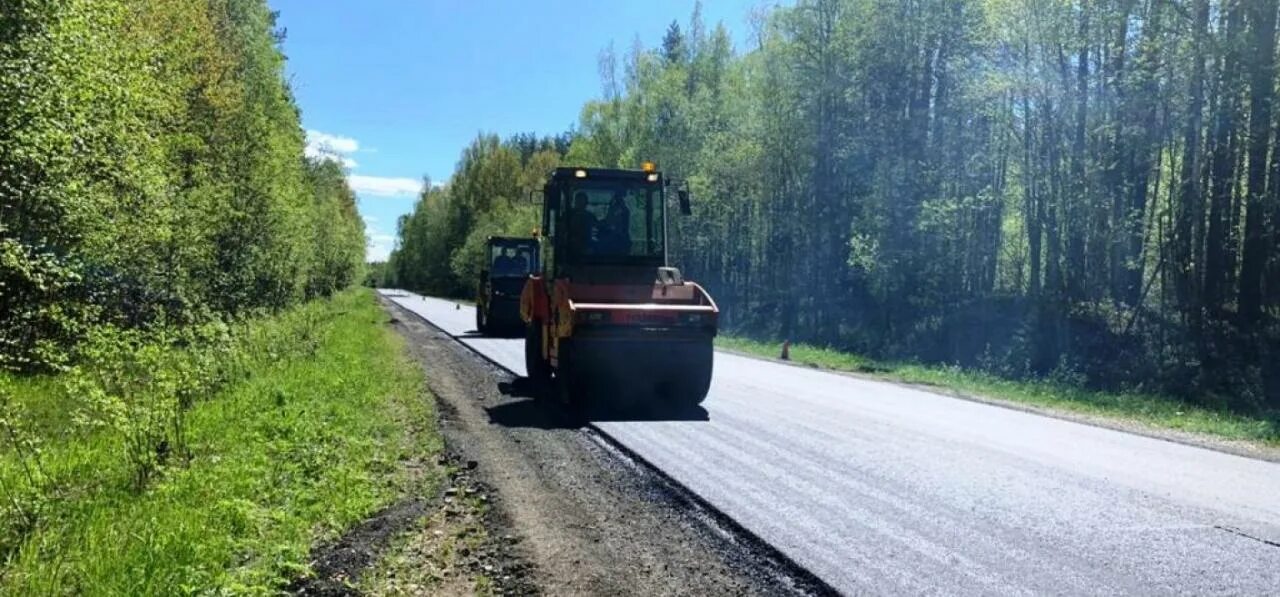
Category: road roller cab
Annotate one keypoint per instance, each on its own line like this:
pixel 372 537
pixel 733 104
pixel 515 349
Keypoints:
pixel 608 315
pixel 508 262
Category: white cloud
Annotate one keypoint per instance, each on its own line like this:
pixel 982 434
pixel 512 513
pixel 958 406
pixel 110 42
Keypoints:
pixel 380 186
pixel 379 247
pixel 335 147
pixel 319 143
pixel 369 220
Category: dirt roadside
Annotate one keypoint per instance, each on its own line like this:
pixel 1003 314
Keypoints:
pixel 585 519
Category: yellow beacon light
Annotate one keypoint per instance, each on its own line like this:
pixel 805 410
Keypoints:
pixel 648 167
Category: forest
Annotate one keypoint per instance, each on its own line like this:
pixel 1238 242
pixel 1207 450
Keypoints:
pixel 152 175
pixel 1078 190
pixel 170 268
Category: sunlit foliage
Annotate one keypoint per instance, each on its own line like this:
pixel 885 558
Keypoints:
pixel 152 173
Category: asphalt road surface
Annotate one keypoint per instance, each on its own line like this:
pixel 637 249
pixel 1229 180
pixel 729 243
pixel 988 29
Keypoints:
pixel 882 489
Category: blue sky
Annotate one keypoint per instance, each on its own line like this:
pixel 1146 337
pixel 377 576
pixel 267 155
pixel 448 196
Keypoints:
pixel 397 88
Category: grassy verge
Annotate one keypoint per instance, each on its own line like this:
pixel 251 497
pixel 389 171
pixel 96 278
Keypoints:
pixel 317 423
pixel 1155 411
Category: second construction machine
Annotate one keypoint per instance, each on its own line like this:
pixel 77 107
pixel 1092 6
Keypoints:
pixel 608 316
pixel 508 261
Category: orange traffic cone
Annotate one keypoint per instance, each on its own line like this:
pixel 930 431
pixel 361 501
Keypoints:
pixel 786 350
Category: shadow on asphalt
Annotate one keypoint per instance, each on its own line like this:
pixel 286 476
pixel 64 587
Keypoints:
pixel 495 335
pixel 538 411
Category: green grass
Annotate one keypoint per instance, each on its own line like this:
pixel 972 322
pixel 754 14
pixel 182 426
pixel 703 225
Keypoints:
pixel 1152 410
pixel 312 436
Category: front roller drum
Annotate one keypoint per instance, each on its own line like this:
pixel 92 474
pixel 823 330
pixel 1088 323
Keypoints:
pixel 639 373
pixel 688 377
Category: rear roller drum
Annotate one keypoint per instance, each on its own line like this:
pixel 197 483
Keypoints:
pixel 535 366
pixel 572 383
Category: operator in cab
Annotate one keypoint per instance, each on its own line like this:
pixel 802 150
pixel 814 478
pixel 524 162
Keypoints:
pixel 584 226
pixel 507 264
pixel 615 235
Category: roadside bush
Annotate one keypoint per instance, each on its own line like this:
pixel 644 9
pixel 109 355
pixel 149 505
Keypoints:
pixel 128 395
pixel 37 291
pixel 210 459
pixel 138 386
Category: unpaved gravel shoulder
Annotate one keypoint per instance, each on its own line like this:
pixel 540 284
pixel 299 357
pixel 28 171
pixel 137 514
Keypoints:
pixel 451 551
pixel 585 519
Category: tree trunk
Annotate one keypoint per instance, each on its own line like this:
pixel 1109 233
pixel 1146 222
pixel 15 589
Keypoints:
pixel 1262 40
pixel 1120 161
pixel 1032 213
pixel 1143 147
pixel 1190 203
pixel 1074 222
pixel 1222 173
pixel 1053 258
